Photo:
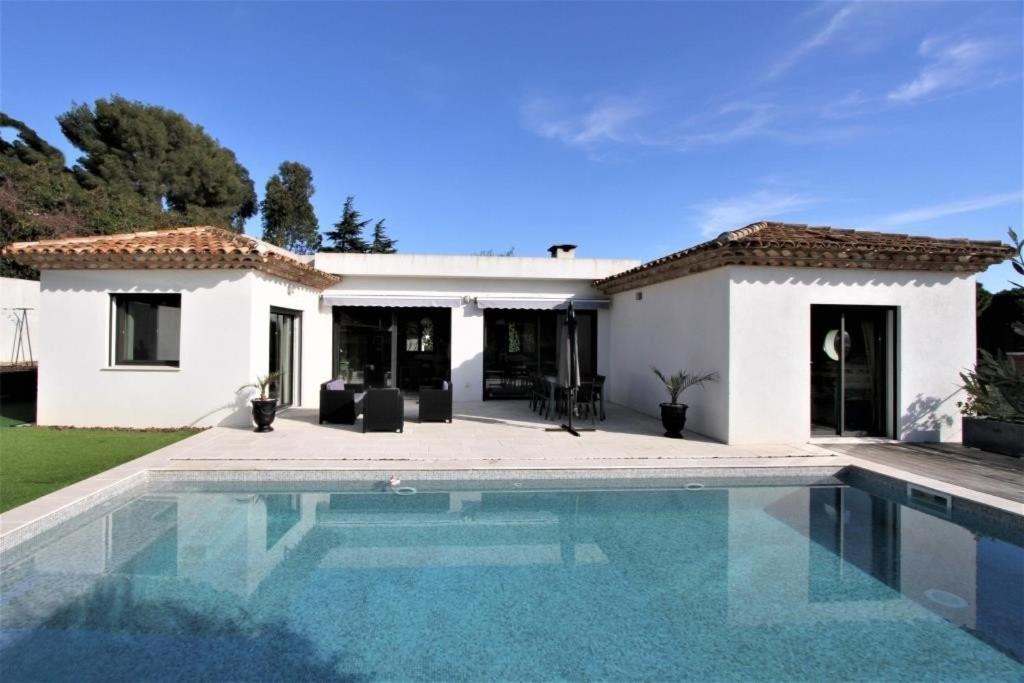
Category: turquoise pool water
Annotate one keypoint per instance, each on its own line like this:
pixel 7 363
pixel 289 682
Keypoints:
pixel 515 581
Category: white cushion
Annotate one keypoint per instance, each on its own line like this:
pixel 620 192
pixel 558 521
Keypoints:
pixel 336 384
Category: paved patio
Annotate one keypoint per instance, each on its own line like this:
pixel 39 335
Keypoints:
pixel 483 434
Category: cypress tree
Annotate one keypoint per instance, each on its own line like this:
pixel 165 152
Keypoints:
pixel 288 217
pixel 347 236
pixel 382 244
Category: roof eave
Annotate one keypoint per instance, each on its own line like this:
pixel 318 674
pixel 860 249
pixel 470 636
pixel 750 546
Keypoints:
pixel 967 263
pixel 269 263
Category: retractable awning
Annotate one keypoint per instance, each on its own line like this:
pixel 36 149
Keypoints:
pixel 542 303
pixel 394 301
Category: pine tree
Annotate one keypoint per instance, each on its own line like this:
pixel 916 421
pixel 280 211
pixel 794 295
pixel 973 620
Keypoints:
pixel 159 155
pixel 347 236
pixel 288 217
pixel 382 244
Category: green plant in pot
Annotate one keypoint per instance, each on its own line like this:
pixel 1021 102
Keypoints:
pixel 673 413
pixel 264 408
pixel 993 410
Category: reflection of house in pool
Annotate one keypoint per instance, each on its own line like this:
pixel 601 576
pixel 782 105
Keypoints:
pixel 867 548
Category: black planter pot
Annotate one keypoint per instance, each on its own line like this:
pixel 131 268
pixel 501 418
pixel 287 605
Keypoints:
pixel 673 419
pixel 994 436
pixel 263 413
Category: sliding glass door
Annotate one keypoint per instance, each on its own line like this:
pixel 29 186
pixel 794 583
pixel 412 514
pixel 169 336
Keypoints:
pixel 363 345
pixel 283 329
pixel 519 344
pixel 392 347
pixel 853 370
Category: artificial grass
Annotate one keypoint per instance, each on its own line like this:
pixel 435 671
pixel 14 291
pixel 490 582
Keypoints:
pixel 37 460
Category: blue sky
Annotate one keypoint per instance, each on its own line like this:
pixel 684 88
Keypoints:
pixel 630 129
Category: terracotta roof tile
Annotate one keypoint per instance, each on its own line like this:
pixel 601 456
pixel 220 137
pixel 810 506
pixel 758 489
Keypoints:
pixel 804 246
pixel 199 247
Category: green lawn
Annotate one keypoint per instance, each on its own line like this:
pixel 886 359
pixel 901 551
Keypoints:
pixel 37 460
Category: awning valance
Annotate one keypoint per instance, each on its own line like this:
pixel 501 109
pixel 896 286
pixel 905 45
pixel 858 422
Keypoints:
pixel 542 303
pixel 394 301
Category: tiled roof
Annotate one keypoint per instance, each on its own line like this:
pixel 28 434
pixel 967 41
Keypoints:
pixel 805 246
pixel 200 247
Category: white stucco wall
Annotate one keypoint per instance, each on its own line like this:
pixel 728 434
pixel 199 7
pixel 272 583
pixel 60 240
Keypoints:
pixel 467 353
pixel 769 346
pixel 224 343
pixel 14 294
pixel 468 266
pixel 678 325
pixel 752 325
pixel 314 334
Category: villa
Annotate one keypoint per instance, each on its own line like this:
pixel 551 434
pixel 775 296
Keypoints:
pixel 814 331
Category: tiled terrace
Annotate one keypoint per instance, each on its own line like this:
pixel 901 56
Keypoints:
pixel 503 434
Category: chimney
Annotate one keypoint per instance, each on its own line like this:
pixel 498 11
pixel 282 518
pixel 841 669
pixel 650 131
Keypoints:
pixel 562 250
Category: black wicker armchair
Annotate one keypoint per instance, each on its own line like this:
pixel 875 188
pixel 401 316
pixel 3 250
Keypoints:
pixel 340 406
pixel 435 404
pixel 383 410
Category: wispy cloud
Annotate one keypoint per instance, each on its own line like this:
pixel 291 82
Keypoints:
pixel 820 38
pixel 929 213
pixel 951 65
pixel 639 123
pixel 611 120
pixel 716 217
pixel 730 123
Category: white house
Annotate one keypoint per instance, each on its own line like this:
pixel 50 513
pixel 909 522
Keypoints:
pixel 813 330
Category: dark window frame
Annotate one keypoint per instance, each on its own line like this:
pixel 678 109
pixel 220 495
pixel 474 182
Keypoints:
pixel 116 346
pixel 297 342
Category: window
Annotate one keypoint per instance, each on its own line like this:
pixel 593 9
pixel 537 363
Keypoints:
pixel 147 329
pixel 419 336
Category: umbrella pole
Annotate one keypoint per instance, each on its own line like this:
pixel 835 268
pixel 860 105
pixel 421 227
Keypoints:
pixel 570 405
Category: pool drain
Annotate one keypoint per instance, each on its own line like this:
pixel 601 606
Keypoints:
pixel 693 486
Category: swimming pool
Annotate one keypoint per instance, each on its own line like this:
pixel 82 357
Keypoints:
pixel 818 576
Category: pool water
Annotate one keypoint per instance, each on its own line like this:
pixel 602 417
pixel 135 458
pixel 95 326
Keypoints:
pixel 516 582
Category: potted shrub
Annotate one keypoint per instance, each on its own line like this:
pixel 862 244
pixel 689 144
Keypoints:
pixel 994 410
pixel 993 413
pixel 264 408
pixel 673 413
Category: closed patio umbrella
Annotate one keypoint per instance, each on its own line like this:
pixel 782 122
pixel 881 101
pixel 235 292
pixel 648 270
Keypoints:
pixel 569 366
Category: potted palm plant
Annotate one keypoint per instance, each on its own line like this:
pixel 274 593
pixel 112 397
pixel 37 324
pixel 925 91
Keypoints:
pixel 264 408
pixel 673 414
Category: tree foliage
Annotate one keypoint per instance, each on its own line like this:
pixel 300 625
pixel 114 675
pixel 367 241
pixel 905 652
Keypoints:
pixel 40 198
pixel 141 167
pixel 382 244
pixel 347 236
pixel 511 251
pixel 1017 262
pixel 158 154
pixel 288 217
